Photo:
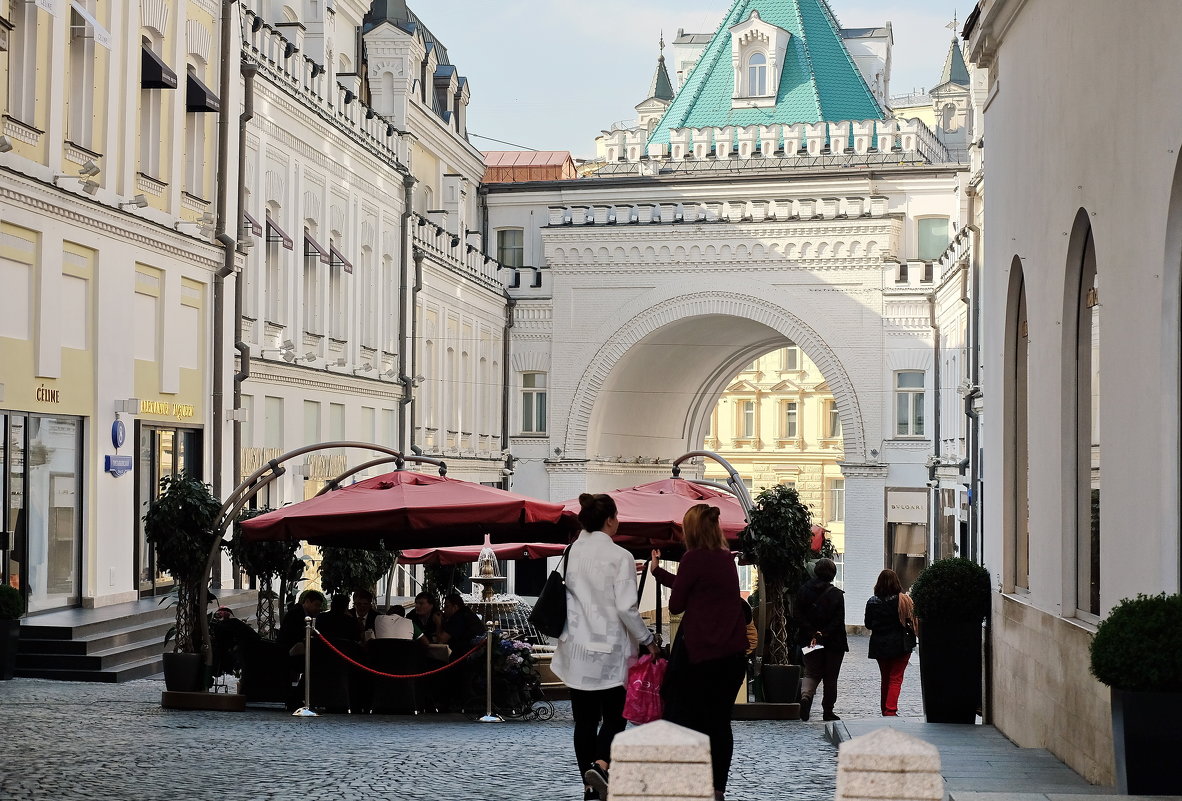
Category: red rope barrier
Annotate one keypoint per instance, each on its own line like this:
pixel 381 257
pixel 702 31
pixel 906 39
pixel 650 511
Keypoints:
pixel 368 669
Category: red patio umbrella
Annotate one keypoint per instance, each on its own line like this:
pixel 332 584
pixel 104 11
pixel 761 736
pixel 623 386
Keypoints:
pixel 461 554
pixel 402 510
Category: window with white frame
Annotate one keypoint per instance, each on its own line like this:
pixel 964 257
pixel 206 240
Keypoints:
pixel 791 357
pixel 933 237
pixel 757 75
pixel 909 397
pixel 312 321
pixel 80 98
pixel 747 419
pixel 832 421
pixel 274 284
pixel 790 422
pixel 150 115
pixel 511 247
pixel 195 146
pixel 369 300
pixel 338 313
pixel 836 500
pixel 533 403
pixel 22 62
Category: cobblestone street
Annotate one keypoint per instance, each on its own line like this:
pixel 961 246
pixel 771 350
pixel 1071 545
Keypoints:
pixel 92 741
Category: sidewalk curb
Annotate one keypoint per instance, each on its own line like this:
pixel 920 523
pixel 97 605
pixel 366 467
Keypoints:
pixel 836 731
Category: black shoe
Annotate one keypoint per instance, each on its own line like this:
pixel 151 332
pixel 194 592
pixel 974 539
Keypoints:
pixel 830 716
pixel 596 778
pixel 806 705
pixel 590 794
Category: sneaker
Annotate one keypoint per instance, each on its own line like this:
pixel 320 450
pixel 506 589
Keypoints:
pixel 806 705
pixel 596 778
pixel 830 716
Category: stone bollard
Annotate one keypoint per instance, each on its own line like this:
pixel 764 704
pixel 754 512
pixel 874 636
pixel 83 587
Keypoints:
pixel 660 761
pixel 888 765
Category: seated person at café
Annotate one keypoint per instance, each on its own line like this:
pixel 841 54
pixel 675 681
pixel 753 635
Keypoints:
pixel 395 626
pixel 338 623
pixel 461 626
pixel 426 616
pixel 364 613
pixel 291 629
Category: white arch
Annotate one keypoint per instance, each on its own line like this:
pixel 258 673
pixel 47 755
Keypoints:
pixel 727 304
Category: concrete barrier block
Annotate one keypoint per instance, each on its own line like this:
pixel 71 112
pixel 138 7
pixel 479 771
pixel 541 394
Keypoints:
pixel 658 761
pixel 888 765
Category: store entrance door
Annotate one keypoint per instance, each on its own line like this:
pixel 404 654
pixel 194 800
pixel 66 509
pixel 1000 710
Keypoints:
pixel 162 451
pixel 13 534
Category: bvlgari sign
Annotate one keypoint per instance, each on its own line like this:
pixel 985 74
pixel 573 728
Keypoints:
pixel 907 506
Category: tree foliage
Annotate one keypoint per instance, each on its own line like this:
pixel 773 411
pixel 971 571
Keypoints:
pixel 779 539
pixel 344 570
pixel 264 562
pixel 1138 647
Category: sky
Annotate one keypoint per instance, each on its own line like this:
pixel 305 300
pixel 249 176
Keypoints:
pixel 552 74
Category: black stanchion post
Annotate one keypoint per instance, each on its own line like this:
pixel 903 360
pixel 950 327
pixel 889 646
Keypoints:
pixel 306 710
pixel 489 717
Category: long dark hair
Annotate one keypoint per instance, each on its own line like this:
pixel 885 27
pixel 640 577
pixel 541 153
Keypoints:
pixel 888 584
pixel 595 510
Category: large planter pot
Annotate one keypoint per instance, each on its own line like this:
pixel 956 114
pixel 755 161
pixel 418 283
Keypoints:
pixel 1146 731
pixel 184 673
pixel 10 635
pixel 950 671
pixel 781 683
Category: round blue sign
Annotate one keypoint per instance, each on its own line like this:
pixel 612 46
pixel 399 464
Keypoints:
pixel 118 434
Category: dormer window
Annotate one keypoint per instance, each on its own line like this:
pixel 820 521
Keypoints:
pixel 757 53
pixel 757 74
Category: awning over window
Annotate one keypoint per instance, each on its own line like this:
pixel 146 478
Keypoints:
pixel 199 98
pixel 312 248
pixel 277 234
pixel 252 223
pixel 338 260
pixel 100 34
pixel 154 73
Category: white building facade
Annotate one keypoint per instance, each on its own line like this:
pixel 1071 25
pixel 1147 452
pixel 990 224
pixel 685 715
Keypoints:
pixel 1080 351
pixel 700 247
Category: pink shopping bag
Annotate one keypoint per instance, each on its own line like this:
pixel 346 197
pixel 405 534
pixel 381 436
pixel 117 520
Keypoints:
pixel 643 701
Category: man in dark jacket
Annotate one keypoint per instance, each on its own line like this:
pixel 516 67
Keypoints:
pixel 820 618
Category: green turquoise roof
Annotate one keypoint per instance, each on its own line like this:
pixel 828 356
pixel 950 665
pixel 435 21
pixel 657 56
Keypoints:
pixel 955 70
pixel 661 88
pixel 819 80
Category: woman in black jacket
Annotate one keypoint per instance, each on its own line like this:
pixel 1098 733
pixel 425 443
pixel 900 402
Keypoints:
pixel 890 616
pixel 820 617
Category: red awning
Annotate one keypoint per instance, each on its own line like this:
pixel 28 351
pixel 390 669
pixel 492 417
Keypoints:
pixel 413 510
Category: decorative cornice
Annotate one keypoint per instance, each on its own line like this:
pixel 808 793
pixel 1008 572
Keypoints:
pixel 864 470
pixel 265 372
pixel 119 225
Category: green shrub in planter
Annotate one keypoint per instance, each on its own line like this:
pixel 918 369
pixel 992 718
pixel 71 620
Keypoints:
pixel 951 591
pixel 952 598
pixel 1137 651
pixel 12 603
pixel 1138 647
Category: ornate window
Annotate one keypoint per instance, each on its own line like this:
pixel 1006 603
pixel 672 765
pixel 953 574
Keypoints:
pixel 533 403
pixel 909 403
pixel 757 54
pixel 757 75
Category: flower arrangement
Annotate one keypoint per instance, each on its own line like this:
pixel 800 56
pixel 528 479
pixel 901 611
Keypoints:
pixel 516 681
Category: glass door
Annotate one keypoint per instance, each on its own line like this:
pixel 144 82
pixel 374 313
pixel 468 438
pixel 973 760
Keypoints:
pixel 13 464
pixel 53 531
pixel 161 452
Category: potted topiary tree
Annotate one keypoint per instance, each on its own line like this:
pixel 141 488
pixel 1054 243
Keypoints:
pixel 349 569
pixel 12 608
pixel 778 539
pixel 179 525
pixel 264 562
pixel 1137 652
pixel 952 598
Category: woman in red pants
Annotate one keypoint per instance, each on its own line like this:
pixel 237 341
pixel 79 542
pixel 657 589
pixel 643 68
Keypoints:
pixel 890 616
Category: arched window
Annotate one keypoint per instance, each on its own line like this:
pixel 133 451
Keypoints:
pixel 757 75
pixel 1020 376
pixel 1087 423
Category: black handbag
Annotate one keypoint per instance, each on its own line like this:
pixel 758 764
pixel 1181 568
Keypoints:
pixel 909 641
pixel 549 613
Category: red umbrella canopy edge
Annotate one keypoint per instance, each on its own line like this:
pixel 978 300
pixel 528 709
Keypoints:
pixel 402 510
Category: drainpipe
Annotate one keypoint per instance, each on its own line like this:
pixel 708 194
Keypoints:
pixel 510 304
pixel 408 182
pixel 976 544
pixel 230 247
pixel 249 71
pixel 933 484
pixel 408 385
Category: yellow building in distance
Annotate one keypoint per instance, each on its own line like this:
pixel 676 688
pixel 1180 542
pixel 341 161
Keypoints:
pixel 776 422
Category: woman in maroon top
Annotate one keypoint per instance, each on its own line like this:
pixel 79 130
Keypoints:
pixel 708 661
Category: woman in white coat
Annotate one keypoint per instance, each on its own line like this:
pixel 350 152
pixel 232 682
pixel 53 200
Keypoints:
pixel 603 632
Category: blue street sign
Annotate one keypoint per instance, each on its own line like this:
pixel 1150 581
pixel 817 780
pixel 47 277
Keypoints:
pixel 118 434
pixel 118 465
